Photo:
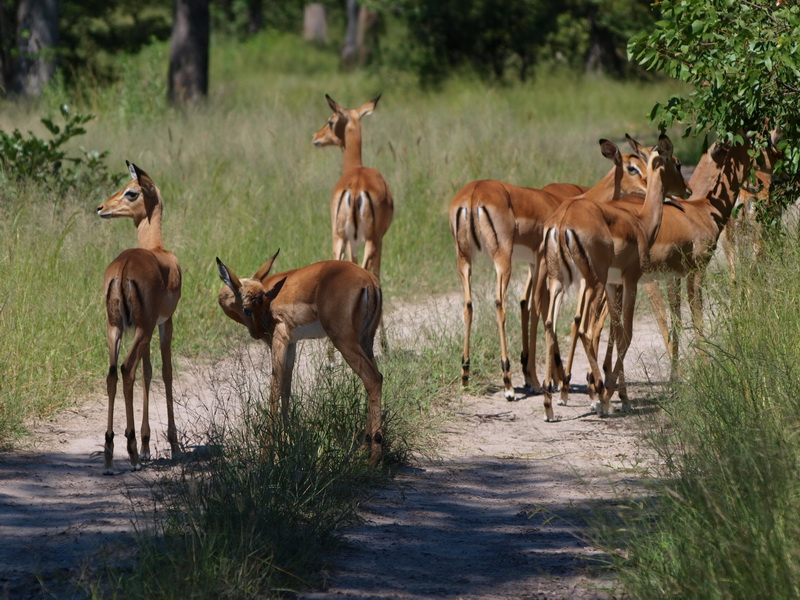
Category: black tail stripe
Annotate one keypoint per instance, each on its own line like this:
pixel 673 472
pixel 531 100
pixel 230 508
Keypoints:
pixel 474 233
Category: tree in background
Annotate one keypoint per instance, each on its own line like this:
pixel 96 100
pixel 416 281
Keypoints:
pixel 743 59
pixel 495 37
pixel 30 36
pixel 188 57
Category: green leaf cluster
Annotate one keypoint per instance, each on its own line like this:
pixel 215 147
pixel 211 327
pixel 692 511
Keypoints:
pixel 45 160
pixel 743 59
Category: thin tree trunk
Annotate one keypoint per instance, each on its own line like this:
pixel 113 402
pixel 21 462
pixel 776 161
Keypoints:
pixel 315 28
pixel 188 60
pixel 349 55
pixel 37 37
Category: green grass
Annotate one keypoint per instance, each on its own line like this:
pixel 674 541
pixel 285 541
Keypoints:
pixel 722 522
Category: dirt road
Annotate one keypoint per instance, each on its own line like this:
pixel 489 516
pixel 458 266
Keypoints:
pixel 498 516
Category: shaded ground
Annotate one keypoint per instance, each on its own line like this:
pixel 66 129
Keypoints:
pixel 499 515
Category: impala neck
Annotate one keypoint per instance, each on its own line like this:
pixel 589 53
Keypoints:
pixel 612 181
pixel 718 179
pixel 653 208
pixel 351 147
pixel 148 228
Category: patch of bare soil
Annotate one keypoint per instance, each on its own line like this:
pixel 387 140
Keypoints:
pixel 499 515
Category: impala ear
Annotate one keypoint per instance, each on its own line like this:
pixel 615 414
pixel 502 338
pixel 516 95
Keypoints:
pixel 642 151
pixel 334 106
pixel 665 147
pixel 275 289
pixel 131 169
pixel 611 151
pixel 264 270
pixel 228 277
pixel 368 107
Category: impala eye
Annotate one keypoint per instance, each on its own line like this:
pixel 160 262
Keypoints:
pixel 131 194
pixel 633 170
pixel 247 312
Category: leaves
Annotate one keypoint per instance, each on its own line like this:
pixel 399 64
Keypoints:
pixel 31 158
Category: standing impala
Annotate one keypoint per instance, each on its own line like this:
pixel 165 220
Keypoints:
pixel 506 221
pixel 142 288
pixel 603 245
pixel 334 299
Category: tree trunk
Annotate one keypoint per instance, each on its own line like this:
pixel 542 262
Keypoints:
pixel 8 15
pixel 255 16
pixel 188 58
pixel 349 55
pixel 315 28
pixel 37 38
pixel 602 55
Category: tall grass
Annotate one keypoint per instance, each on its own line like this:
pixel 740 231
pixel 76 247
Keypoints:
pixel 240 179
pixel 723 523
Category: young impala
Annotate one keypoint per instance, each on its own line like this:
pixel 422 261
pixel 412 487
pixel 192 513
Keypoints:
pixel 334 299
pixel 142 288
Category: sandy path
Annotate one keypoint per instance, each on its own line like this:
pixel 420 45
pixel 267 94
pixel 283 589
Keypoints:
pixel 500 515
pixel 496 517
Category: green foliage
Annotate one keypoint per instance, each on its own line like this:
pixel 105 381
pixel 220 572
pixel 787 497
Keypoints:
pixel 743 59
pixel 33 159
pixel 494 38
pixel 723 523
pixel 95 32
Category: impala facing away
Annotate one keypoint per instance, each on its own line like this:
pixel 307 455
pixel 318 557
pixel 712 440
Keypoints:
pixel 507 222
pixel 603 245
pixel 142 288
pixel 361 205
pixel 334 299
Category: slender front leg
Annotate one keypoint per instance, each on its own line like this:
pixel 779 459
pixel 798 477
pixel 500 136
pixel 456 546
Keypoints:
pixel 674 295
pixel 286 387
pixel 280 343
pixel 659 312
pixel 165 337
pixel 525 307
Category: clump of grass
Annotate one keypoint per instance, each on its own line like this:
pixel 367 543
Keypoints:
pixel 723 520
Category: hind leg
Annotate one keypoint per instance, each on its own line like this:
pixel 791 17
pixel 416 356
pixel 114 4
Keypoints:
pixel 114 336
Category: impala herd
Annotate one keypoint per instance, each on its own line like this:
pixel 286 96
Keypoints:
pixel 640 220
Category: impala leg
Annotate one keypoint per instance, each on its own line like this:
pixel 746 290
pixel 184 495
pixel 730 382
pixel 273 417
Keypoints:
pixel 503 268
pixel 141 339
pixel 623 341
pixel 613 336
pixel 465 273
pixel 556 292
pixel 372 262
pixel 280 348
pixel 601 315
pixel 147 377
pixel 362 360
pixel 339 244
pixel 575 331
pixel 525 306
pixel 286 387
pixel 659 312
pixel 114 336
pixel 587 331
pixel 165 338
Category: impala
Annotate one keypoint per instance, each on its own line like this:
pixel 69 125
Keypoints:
pixel 687 239
pixel 142 288
pixel 334 299
pixel 604 244
pixel 506 221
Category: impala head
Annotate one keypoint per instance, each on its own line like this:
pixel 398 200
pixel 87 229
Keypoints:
pixel 630 169
pixel 661 157
pixel 247 301
pixel 332 133
pixel 136 200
